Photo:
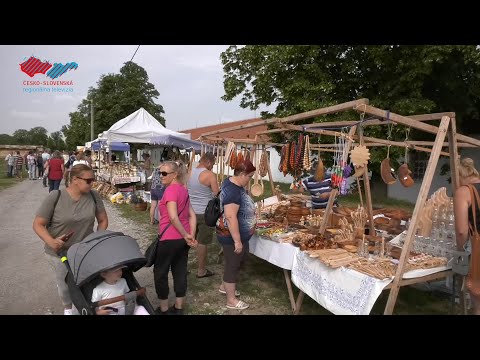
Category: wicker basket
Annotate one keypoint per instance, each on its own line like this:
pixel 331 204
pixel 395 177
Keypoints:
pixel 141 206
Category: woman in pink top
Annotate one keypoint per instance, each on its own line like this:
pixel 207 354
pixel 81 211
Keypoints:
pixel 176 229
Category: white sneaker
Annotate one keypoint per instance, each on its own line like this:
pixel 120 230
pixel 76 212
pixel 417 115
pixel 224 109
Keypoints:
pixel 68 312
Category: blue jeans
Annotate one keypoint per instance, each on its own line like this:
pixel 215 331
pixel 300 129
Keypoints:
pixel 53 184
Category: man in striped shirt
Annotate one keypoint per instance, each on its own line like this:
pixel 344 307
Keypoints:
pixel 19 165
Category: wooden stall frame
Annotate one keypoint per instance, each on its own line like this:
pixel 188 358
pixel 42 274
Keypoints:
pixel 447 124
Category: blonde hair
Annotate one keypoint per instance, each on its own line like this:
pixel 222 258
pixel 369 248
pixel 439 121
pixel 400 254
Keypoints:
pixel 179 167
pixel 79 169
pixel 467 168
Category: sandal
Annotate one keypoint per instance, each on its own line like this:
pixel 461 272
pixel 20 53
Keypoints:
pixel 239 306
pixel 221 291
pixel 207 274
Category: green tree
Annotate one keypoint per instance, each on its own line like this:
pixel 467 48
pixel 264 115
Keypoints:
pixel 117 96
pixel 21 137
pixel 55 141
pixel 403 79
pixel 38 136
pixel 6 139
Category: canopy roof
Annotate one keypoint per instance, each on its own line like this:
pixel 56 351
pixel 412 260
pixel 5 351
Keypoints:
pixel 172 140
pixel 138 127
pixel 114 146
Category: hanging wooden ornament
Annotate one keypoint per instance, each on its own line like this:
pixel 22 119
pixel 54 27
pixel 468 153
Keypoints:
pixel 387 172
pixel 404 176
pixel 359 157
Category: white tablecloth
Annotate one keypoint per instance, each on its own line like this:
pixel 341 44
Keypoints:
pixel 279 254
pixel 341 291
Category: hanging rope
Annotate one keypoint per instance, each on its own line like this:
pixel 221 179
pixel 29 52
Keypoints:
pixel 407 132
pixel 389 136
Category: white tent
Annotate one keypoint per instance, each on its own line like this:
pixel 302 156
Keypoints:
pixel 138 127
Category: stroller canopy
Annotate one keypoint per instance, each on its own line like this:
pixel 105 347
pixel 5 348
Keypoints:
pixel 101 251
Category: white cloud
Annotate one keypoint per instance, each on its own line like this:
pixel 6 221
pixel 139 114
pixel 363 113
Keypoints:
pixel 188 77
pixel 64 98
pixel 31 115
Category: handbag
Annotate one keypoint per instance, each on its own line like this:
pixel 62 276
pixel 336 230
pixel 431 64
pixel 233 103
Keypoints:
pixel 151 252
pixel 461 262
pixel 473 278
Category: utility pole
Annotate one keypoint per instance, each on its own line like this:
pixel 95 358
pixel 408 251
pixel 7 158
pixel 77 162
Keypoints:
pixel 92 136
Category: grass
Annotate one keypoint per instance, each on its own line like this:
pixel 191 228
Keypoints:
pixel 263 285
pixel 6 182
pixel 353 200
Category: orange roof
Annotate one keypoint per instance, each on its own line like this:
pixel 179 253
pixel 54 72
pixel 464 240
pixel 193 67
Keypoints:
pixel 248 133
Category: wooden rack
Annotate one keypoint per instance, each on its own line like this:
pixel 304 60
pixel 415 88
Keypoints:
pixel 378 117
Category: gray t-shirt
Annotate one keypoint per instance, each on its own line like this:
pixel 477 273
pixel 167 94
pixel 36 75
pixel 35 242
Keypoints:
pixel 70 215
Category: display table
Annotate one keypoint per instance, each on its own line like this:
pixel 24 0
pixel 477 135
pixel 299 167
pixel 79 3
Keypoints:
pixel 115 180
pixel 345 291
pixel 278 254
pixel 342 291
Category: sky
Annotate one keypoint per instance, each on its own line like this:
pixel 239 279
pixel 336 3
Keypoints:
pixel 189 79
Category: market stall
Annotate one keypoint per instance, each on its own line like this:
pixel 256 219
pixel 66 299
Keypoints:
pixel 346 248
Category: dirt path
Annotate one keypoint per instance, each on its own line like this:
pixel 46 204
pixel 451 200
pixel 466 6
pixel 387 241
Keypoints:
pixel 28 285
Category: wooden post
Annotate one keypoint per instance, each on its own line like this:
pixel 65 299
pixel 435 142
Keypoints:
pixel 289 289
pixel 454 158
pixel 422 197
pixel 454 161
pixel 368 193
pixel 328 210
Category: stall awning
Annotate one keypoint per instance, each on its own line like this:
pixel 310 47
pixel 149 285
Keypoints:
pixel 114 146
pixel 171 140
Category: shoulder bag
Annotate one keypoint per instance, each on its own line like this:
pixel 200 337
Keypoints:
pixel 151 252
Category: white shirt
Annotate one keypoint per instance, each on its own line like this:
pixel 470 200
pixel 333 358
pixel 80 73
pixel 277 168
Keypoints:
pixel 76 162
pixel 107 291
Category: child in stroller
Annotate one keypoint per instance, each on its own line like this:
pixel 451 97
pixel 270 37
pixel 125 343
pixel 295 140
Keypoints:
pixel 114 285
pixel 108 258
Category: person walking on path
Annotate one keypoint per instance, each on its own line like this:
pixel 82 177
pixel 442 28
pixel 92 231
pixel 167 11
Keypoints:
pixel 56 170
pixel 66 218
pixel 202 186
pixel 19 165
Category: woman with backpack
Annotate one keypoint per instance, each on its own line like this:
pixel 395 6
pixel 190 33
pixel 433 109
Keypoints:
pixel 235 228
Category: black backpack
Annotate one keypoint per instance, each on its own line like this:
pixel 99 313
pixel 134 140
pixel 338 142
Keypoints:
pixel 213 211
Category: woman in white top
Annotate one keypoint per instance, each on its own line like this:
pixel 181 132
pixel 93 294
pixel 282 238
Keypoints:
pixel 81 160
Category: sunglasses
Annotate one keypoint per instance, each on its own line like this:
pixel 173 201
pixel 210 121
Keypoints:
pixel 164 173
pixel 88 181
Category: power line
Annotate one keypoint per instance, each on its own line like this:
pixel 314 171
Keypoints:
pixel 135 53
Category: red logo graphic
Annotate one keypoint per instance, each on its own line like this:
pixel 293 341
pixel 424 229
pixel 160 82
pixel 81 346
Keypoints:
pixel 34 66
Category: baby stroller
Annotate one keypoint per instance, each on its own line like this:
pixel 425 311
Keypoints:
pixel 101 251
